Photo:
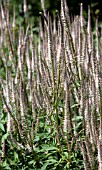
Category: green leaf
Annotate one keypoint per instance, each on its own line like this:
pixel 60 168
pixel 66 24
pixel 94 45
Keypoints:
pixel 48 148
pixel 2 73
pixel 6 50
pixel 4 137
pixel 52 160
pixel 2 127
pixel 74 105
pixel 31 162
pixel 78 118
pixel 11 162
pixel 36 139
pixel 15 155
pixel 49 154
pixel 44 166
pixel 78 125
pixel 66 154
pixel 6 165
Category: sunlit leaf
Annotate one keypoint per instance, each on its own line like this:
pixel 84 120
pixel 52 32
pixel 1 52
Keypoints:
pixel 2 127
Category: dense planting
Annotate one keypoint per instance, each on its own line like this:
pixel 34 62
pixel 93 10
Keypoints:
pixel 50 93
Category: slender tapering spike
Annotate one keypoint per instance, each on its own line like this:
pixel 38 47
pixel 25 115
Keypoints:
pixel 14 18
pixel 81 15
pixel 99 148
pixel 89 31
pixel 25 8
pixel 97 41
pixel 90 154
pixel 8 99
pixel 3 16
pixel 7 11
pixel 84 153
pixel 44 7
pixel 63 13
pixel 21 99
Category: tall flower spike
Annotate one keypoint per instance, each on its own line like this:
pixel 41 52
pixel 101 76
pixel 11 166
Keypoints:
pixel 8 99
pixel 84 153
pixel 14 18
pixel 3 16
pixel 28 65
pixel 89 32
pixel 99 148
pixel 97 41
pixel 7 12
pixel 50 52
pixel 63 13
pixel 25 6
pixel 22 102
pixel 81 15
pixel 43 7
pixel 67 116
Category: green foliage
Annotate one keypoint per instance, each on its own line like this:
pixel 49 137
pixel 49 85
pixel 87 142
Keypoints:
pixel 45 156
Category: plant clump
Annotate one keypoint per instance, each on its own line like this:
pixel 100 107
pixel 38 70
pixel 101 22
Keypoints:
pixel 51 93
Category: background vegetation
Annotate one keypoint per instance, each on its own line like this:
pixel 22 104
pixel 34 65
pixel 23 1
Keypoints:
pixel 34 7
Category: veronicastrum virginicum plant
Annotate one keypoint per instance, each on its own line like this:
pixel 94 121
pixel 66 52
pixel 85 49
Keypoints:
pixel 53 86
